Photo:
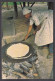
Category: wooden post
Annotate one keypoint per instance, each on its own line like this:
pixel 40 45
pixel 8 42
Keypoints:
pixel 15 9
pixel 24 4
pixel 21 5
pixel 28 4
pixel 32 4
pixel 50 5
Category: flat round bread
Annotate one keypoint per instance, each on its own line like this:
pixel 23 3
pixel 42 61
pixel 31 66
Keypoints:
pixel 17 50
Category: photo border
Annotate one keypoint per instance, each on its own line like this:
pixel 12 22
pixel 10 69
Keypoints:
pixel 53 39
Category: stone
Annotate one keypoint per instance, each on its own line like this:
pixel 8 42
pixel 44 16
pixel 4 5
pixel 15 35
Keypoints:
pixel 3 76
pixel 3 43
pixel 30 74
pixel 37 65
pixel 16 66
pixel 4 64
pixel 36 62
pixel 9 64
pixel 12 77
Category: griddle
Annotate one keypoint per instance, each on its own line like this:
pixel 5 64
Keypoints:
pixel 5 57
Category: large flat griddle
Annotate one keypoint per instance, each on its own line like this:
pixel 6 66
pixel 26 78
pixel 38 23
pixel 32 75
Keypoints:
pixel 5 57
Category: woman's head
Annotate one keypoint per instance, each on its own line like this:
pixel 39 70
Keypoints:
pixel 27 15
pixel 27 12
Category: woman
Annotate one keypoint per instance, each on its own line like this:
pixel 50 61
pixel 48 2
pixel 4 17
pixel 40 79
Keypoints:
pixel 44 31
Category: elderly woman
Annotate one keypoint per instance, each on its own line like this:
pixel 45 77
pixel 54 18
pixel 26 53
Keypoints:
pixel 44 31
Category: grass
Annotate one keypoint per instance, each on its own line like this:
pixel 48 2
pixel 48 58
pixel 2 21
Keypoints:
pixel 11 3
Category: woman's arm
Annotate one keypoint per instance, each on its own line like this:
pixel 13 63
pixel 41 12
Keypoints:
pixel 37 29
pixel 29 30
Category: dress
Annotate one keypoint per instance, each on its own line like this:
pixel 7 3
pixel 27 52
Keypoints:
pixel 45 35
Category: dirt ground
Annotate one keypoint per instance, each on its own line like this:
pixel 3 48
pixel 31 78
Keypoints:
pixel 15 30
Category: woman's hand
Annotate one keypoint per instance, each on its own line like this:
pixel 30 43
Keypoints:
pixel 29 30
pixel 34 32
pixel 26 36
pixel 38 27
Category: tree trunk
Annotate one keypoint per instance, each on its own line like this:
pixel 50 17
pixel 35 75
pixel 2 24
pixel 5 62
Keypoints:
pixel 15 9
pixel 50 5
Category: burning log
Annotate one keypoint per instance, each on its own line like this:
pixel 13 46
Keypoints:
pixel 27 64
pixel 22 76
pixel 24 67
pixel 19 70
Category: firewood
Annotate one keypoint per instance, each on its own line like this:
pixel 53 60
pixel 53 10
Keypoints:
pixel 24 67
pixel 22 76
pixel 27 64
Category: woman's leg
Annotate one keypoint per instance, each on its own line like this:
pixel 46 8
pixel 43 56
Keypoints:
pixel 50 50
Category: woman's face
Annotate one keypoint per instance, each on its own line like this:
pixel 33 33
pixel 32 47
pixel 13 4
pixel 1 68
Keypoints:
pixel 27 15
